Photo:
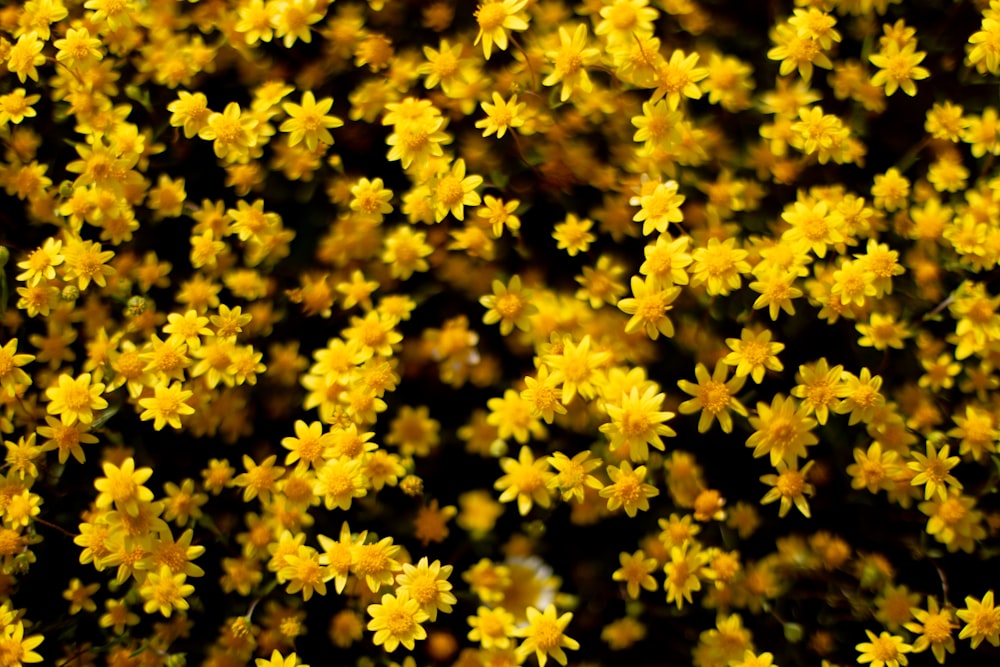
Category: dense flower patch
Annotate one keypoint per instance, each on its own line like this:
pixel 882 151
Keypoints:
pixel 530 331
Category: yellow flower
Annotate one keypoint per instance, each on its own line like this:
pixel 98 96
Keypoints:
pixel 627 489
pixel 123 486
pixel 11 375
pixel 714 396
pixel 982 620
pixel 514 416
pixel 339 481
pixel 166 406
pixel 860 395
pixel 573 234
pixel 934 626
pixel 684 571
pixel 291 20
pixel 525 480
pixel 782 429
pixel 75 399
pixel 790 487
pixel 117 616
pixel 885 650
pixel 934 471
pixel 165 591
pixel 648 306
pixel 501 116
pixel 406 251
pixel 678 77
pixel 891 190
pixel 636 571
pixel 544 635
pixel 899 68
pixel 15 648
pixel 259 480
pixel 797 50
pixel 576 368
pixel 719 265
pixel 873 469
pixel 279 660
pixel 338 554
pixel 79 596
pixel 492 628
pixel 397 621
pixel 428 585
pixel 308 122
pixel 637 422
pixel 26 55
pixel 232 133
pixel 495 18
pixel 304 572
pixel 569 62
pixel 15 106
pixel 573 476
pixel 375 562
pixel 510 305
pixel 753 354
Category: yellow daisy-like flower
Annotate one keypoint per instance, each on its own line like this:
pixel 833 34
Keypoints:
pixel 167 405
pixel 982 620
pixel 123 487
pixel 714 396
pixel 636 571
pixel 934 626
pixel 627 489
pixel 885 650
pixel 569 62
pixel 165 591
pixel 573 476
pixel 899 68
pixel 427 583
pixel 510 305
pixel 648 306
pixel 637 422
pixel 308 122
pixel 782 429
pixel 11 375
pixel 278 660
pixel 495 18
pixel 501 116
pixel 545 636
pixel 526 480
pixel 17 649
pixel 75 399
pixel 754 354
pixel 492 628
pixel 790 487
pixel 453 191
pixel 397 621
pixel 934 471
pixel 678 78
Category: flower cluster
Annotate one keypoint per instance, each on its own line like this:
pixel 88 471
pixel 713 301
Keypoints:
pixel 499 333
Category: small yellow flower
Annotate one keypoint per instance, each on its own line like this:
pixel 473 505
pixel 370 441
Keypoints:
pixel 627 489
pixel 308 122
pixel 885 650
pixel 501 116
pixel 525 480
pixel 545 636
pixel 713 396
pixel 982 620
pixel 75 399
pixel 397 620
pixel 166 406
pixel 495 18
